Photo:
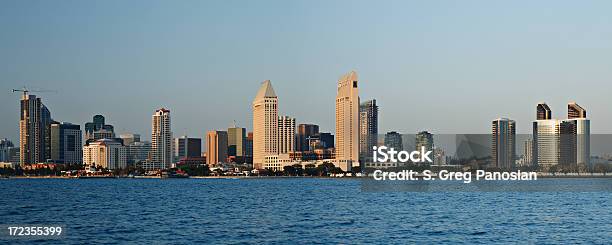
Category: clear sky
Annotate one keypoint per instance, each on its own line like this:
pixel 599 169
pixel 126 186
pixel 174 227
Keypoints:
pixel 443 66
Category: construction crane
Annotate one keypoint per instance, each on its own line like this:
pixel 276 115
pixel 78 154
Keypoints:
pixel 25 91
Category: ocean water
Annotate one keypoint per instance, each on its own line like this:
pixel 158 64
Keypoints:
pixel 298 210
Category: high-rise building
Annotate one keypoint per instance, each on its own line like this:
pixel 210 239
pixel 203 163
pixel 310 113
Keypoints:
pixel 66 146
pixel 98 129
pixel 187 147
pixel 286 134
pixel 368 129
pixel 6 150
pixel 34 135
pixel 424 139
pixel 129 138
pixel 528 152
pixel 347 121
pixel 216 147
pixel 503 143
pixel 138 151
pixel 576 136
pixel 249 148
pixel 236 144
pixel 105 153
pixel 565 141
pixel 305 131
pixel 394 140
pixel 543 112
pixel 161 138
pixel 265 124
pixel 546 139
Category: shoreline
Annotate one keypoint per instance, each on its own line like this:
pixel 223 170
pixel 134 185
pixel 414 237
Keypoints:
pixel 266 177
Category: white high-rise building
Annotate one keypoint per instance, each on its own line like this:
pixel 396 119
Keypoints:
pixel 161 138
pixel 286 134
pixel 546 140
pixel 105 153
pixel 347 122
pixel 265 124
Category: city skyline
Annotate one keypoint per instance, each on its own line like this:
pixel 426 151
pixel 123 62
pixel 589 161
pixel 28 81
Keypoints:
pixel 554 59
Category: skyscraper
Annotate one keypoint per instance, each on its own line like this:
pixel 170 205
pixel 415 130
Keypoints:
pixel 347 121
pixel 546 142
pixel 564 141
pixel 6 150
pixel 546 132
pixel 34 135
pixel 286 134
pixel 394 140
pixel 66 146
pixel 138 151
pixel 98 129
pixel 579 135
pixel 425 139
pixel 368 129
pixel 187 147
pixel 249 148
pixel 503 143
pixel 236 144
pixel 304 131
pixel 265 124
pixel 161 138
pixel 528 152
pixel 216 147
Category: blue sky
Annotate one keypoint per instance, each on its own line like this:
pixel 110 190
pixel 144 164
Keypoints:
pixel 443 66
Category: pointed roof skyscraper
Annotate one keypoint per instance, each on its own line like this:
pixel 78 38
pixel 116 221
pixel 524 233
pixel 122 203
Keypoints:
pixel 266 90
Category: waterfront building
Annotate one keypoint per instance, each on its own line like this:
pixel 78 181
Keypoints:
pixel 187 147
pixel 265 124
pixel 236 144
pixel 368 129
pixel 34 136
pixel 105 153
pixel 576 136
pixel 286 134
pixel 216 147
pixel 564 141
pixel 347 122
pixel 66 143
pixel 138 151
pixel 161 138
pixel 503 143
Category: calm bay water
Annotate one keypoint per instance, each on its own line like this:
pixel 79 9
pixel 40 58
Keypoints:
pixel 299 210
